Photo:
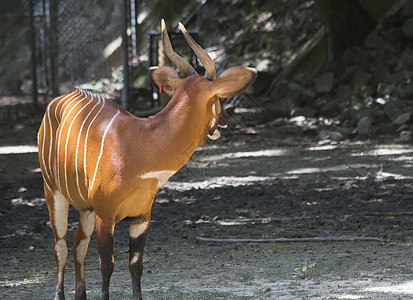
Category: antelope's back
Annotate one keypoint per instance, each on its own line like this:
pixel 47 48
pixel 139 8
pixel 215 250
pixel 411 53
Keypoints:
pixel 70 142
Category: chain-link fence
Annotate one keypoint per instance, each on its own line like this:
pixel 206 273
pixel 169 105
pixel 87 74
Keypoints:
pixel 53 45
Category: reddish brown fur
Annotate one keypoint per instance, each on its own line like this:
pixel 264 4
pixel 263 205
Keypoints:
pixel 121 150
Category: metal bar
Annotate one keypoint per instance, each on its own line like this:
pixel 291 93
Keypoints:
pixel 125 52
pixel 134 27
pixel 51 17
pixel 33 56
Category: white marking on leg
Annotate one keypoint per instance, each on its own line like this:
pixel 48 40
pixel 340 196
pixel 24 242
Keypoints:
pixel 135 230
pixel 135 258
pixel 61 209
pixel 101 147
pixel 87 220
pixel 81 252
pixel 87 225
pixel 86 137
pixel 161 176
pixel 61 254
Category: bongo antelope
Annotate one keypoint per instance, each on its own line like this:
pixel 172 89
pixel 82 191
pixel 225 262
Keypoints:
pixel 109 164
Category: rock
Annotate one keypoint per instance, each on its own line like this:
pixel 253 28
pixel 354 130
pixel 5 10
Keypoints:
pixel 344 91
pixel 345 131
pixel 324 83
pixel 364 126
pixel 279 92
pixel 408 9
pixel 393 110
pixel 350 72
pixel 381 74
pixel 374 41
pixel 330 109
pixel 279 109
pixel 402 119
pixel 295 87
pixel 392 37
pixel 384 89
pixel 302 78
pixel 309 94
pixel 407 28
pixel 405 135
pixel 307 112
pixel 263 65
pixel 407 91
pixel 330 135
pixel 299 120
pixel 376 9
pixel 295 91
pixel 362 59
pixel 360 80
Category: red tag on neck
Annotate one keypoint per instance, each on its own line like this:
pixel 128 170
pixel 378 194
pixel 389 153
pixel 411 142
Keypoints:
pixel 160 89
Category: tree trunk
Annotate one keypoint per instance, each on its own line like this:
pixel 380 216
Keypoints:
pixel 347 23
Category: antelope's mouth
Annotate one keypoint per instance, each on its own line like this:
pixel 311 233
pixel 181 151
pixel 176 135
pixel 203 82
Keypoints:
pixel 213 132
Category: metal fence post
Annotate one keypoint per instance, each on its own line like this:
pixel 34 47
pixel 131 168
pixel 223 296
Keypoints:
pixel 125 55
pixel 33 56
pixel 53 50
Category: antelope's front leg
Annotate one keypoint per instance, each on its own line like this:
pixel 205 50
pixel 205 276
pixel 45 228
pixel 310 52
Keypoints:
pixel 104 234
pixel 138 233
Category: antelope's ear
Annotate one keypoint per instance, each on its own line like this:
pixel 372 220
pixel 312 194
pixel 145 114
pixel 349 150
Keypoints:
pixel 233 81
pixel 167 78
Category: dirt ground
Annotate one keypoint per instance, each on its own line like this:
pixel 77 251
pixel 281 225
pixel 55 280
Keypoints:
pixel 260 183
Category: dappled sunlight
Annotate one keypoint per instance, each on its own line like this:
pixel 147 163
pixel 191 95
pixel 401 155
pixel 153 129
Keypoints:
pixel 383 150
pixel 215 182
pixel 405 288
pixel 307 171
pixel 8 283
pixel 29 202
pixel 19 149
pixel 323 147
pixel 350 296
pixel 246 154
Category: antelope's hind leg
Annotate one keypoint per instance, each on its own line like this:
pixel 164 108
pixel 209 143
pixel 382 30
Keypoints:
pixel 82 238
pixel 138 233
pixel 58 213
pixel 104 235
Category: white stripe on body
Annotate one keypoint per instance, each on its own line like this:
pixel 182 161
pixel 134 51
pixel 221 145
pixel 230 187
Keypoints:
pixel 77 150
pixel 67 142
pixel 67 134
pixel 59 133
pixel 45 171
pixel 51 132
pixel 85 147
pixel 101 147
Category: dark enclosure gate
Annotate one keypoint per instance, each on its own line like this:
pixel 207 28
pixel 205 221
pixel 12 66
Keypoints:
pixel 54 45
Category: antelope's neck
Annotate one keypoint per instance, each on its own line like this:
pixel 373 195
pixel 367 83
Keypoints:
pixel 179 128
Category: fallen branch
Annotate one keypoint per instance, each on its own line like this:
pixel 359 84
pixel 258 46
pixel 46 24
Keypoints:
pixel 290 240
